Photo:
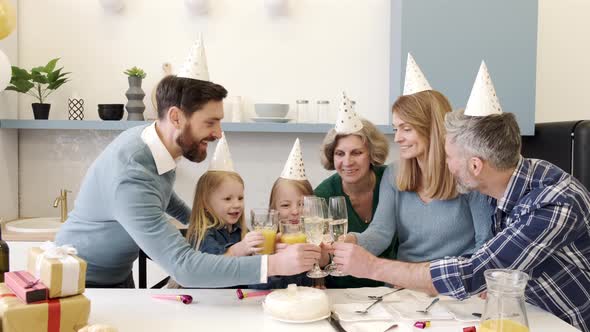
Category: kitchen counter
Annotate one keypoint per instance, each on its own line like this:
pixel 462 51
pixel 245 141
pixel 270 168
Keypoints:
pixel 220 310
pixel 41 237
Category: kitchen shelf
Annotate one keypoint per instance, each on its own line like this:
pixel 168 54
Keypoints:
pixel 254 127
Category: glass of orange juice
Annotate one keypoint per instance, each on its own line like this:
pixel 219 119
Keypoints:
pixel 292 231
pixel 265 221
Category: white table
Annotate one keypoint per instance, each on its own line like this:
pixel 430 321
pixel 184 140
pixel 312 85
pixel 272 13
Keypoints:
pixel 220 310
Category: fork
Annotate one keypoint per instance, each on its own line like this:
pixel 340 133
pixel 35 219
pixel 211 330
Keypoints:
pixel 375 297
pixel 362 312
pixel 425 311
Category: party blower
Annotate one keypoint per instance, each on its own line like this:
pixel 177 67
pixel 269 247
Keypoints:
pixel 242 295
pixel 186 299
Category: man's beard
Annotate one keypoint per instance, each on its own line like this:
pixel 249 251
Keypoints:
pixel 463 185
pixel 462 188
pixel 190 149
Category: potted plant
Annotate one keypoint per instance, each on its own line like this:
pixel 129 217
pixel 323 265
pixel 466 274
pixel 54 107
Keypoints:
pixel 135 106
pixel 39 83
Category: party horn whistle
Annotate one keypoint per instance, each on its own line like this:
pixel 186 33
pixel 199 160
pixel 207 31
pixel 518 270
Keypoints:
pixel 242 295
pixel 186 299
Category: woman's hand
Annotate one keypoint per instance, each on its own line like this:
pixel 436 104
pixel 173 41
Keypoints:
pixel 249 245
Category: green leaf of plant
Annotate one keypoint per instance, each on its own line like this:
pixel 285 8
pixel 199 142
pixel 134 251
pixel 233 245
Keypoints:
pixel 39 78
pixel 22 86
pixel 56 84
pixel 50 66
pixel 53 76
pixel 63 74
pixel 18 73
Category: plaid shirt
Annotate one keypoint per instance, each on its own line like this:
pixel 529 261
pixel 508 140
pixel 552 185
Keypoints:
pixel 541 227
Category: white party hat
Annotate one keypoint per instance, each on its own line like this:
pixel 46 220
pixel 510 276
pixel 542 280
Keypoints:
pixel 294 167
pixel 195 65
pixel 347 121
pixel 221 160
pixel 483 100
pixel 415 80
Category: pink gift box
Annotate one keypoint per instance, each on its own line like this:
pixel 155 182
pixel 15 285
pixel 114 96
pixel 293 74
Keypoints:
pixel 26 286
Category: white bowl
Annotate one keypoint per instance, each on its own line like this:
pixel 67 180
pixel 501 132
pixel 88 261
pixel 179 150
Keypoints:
pixel 271 110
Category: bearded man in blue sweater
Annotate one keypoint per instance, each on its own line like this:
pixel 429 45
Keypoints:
pixel 127 194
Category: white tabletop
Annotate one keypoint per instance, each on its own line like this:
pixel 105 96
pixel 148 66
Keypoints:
pixel 220 310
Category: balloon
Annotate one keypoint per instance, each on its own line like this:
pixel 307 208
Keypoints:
pixel 7 18
pixel 5 71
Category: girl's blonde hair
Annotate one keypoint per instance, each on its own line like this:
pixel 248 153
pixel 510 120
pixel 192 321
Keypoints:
pixel 202 217
pixel 425 111
pixel 302 185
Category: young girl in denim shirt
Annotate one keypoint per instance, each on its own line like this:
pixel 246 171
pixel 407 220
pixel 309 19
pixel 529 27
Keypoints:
pixel 217 224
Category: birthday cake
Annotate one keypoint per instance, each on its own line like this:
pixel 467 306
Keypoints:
pixel 297 304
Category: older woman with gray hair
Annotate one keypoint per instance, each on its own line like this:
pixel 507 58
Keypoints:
pixel 358 156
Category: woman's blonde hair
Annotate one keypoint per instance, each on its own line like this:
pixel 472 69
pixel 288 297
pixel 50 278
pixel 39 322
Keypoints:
pixel 369 134
pixel 202 217
pixel 425 111
pixel 303 186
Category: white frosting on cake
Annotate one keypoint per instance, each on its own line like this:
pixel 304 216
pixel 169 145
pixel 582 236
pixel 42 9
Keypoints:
pixel 297 303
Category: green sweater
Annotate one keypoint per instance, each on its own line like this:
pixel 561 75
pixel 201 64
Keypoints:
pixel 332 186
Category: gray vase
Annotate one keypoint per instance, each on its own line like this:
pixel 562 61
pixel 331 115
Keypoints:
pixel 135 94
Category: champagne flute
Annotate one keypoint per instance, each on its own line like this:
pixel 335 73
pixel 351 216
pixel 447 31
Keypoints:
pixel 314 216
pixel 337 226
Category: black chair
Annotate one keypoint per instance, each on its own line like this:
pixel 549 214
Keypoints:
pixel 565 144
pixel 142 269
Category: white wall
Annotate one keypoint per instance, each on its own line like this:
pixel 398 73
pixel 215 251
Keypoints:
pixel 324 46
pixel 321 48
pixel 9 138
pixel 562 61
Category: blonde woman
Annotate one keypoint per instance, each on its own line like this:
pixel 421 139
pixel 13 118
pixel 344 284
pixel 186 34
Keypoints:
pixel 419 203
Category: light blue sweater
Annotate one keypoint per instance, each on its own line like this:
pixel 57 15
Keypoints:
pixel 426 231
pixel 122 206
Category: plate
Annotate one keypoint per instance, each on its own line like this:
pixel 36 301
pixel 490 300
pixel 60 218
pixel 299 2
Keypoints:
pixel 268 119
pixel 293 321
pixel 346 312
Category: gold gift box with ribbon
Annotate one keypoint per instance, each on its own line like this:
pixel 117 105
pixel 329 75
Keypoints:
pixel 59 269
pixel 57 315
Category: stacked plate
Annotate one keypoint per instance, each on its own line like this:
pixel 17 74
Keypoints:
pixel 276 113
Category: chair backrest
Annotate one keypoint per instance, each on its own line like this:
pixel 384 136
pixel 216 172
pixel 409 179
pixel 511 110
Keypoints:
pixel 581 156
pixel 142 268
pixel 565 144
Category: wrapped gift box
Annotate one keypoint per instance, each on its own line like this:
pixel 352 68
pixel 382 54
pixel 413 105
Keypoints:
pixel 54 315
pixel 26 286
pixel 59 269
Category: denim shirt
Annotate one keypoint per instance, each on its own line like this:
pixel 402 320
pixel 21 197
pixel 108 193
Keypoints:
pixel 218 240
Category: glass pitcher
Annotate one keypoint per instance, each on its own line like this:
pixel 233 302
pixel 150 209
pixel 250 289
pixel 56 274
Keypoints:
pixel 505 307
